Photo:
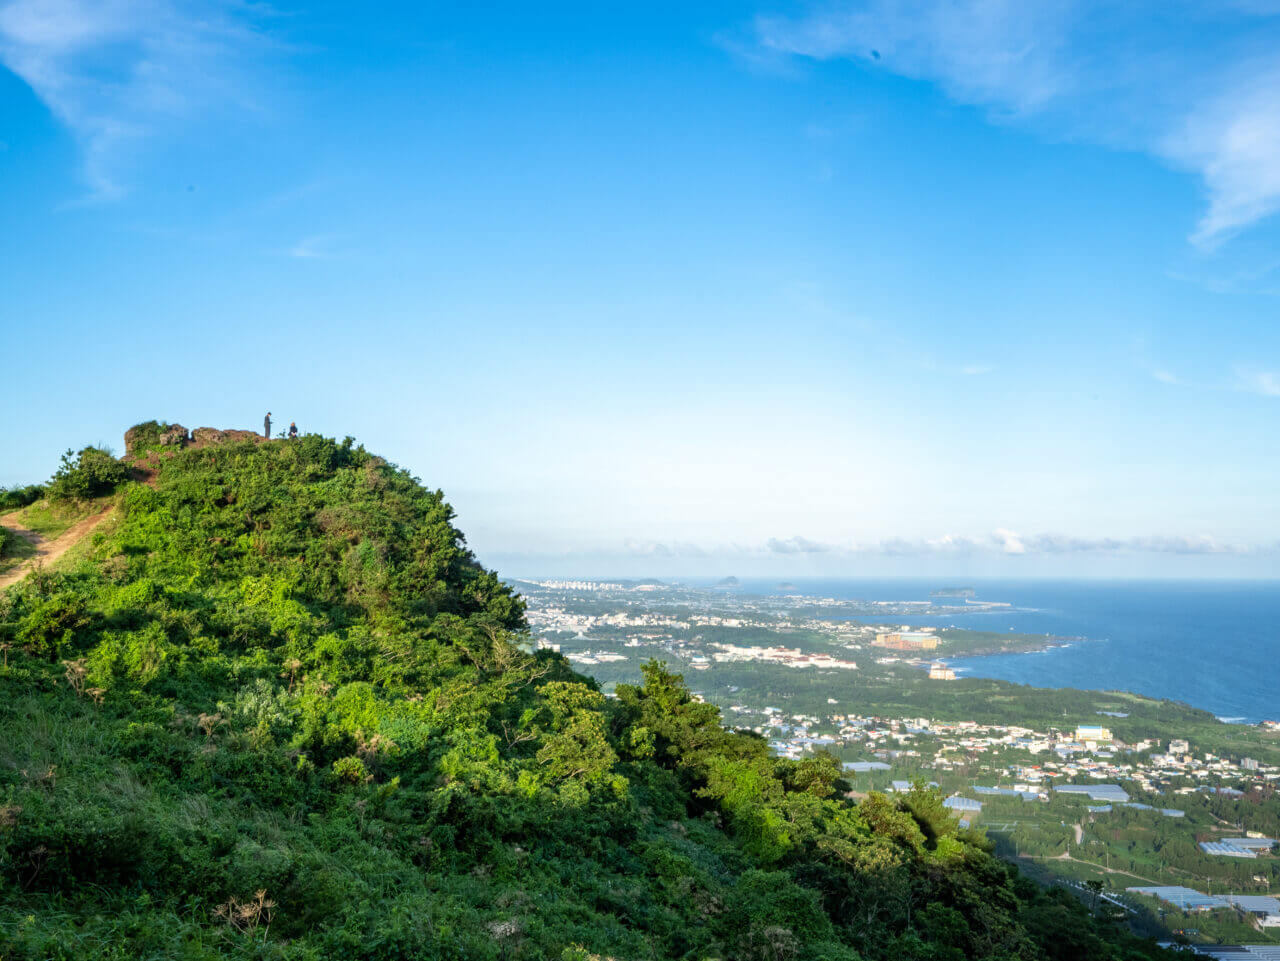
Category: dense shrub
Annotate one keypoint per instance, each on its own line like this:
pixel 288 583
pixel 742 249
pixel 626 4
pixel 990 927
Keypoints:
pixel 281 712
pixel 15 497
pixel 144 436
pixel 90 473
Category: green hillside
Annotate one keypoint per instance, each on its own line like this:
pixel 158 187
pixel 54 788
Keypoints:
pixel 278 710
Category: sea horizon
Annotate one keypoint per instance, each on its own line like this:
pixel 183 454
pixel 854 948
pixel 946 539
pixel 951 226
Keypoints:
pixel 1145 635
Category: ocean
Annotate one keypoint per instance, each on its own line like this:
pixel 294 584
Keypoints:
pixel 1212 644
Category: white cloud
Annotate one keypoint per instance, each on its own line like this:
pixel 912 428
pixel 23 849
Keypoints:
pixel 312 248
pixel 641 547
pixel 1195 84
pixel 796 545
pixel 983 51
pixel 1000 546
pixel 115 72
pixel 1233 141
pixel 1263 382
pixel 1001 541
pixel 1008 541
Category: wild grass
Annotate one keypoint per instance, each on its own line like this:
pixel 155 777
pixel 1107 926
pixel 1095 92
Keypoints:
pixel 14 549
pixel 50 519
pixel 277 710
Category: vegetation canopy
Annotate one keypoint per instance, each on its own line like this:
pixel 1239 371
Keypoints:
pixel 278 710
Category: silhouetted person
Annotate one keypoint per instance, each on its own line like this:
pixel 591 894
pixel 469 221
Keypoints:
pixel 293 430
pixel 266 426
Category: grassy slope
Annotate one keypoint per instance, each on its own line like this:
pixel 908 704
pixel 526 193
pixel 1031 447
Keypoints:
pixel 47 519
pixel 14 550
pixel 277 711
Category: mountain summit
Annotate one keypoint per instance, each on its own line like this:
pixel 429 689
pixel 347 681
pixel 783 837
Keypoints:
pixel 275 708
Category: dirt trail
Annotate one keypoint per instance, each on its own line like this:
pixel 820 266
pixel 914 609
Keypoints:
pixel 47 551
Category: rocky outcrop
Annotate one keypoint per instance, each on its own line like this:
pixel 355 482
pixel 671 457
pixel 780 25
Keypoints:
pixel 212 435
pixel 133 440
pixel 141 437
pixel 151 435
pixel 175 435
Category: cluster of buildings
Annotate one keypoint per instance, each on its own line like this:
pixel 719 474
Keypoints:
pixel 1249 846
pixel 553 619
pixel 595 657
pixel 1261 910
pixel 907 640
pixel 1087 760
pixel 558 618
pixel 580 585
pixel 680 634
pixel 788 656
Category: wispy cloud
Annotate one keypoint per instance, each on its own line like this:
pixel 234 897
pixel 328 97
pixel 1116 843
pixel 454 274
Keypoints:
pixel 1232 139
pixel 1008 541
pixel 997 53
pixel 116 72
pixel 1004 550
pixel 317 247
pixel 1265 383
pixel 1063 544
pixel 1001 541
pixel 1004 541
pixel 641 547
pixel 1195 84
pixel 796 545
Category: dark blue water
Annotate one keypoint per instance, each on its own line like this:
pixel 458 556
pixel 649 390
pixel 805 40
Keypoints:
pixel 1211 644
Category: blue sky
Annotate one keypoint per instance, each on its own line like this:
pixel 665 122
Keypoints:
pixel 965 287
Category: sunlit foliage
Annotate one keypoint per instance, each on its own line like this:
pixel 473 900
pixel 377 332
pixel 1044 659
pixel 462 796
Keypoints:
pixel 281 712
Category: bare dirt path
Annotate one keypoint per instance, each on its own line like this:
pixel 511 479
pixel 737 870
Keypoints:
pixel 47 551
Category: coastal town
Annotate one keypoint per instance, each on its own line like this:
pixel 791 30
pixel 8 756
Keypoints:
pixel 679 622
pixel 1088 796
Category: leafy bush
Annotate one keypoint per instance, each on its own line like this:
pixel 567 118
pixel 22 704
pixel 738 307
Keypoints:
pixel 282 712
pixel 91 473
pixel 15 497
pixel 350 769
pixel 144 436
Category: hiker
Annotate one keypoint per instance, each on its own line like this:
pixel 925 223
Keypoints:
pixel 293 431
pixel 266 426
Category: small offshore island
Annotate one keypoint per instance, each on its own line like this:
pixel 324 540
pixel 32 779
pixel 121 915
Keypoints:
pixel 953 592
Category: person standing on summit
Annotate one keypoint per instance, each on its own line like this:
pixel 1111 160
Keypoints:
pixel 266 426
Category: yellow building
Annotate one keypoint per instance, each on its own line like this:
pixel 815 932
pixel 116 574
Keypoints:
pixel 907 641
pixel 1093 732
